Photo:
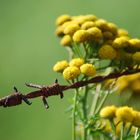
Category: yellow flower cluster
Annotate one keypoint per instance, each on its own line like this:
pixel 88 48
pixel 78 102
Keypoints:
pixel 113 42
pixel 74 68
pixel 129 82
pixel 121 114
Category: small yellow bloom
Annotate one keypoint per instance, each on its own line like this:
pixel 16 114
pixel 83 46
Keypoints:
pixel 71 73
pixel 122 83
pixel 88 70
pixel 107 52
pixel 102 24
pixel 125 114
pixel 136 57
pixel 90 17
pixel 66 40
pixel 76 62
pixel 122 32
pixel 59 31
pixel 88 24
pixel 63 18
pixel 81 36
pixel 112 28
pixel 108 35
pixel 135 43
pixel 71 28
pixel 135 86
pixel 95 34
pixel 108 112
pixel 136 119
pixel 60 66
pixel 121 42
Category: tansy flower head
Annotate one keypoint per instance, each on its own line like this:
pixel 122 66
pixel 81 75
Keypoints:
pixel 122 32
pixel 125 114
pixel 63 18
pixel 90 17
pixel 107 52
pixel 81 36
pixel 136 118
pixel 136 57
pixel 87 25
pixel 121 42
pixel 135 86
pixel 135 43
pixel 71 28
pixel 95 34
pixel 108 112
pixel 60 66
pixel 76 62
pixel 108 35
pixel 59 31
pixel 66 40
pixel 88 70
pixel 112 28
pixel 71 73
pixel 101 24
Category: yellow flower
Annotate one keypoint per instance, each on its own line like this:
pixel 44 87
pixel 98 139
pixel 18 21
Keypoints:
pixel 122 83
pixel 136 57
pixel 71 28
pixel 88 24
pixel 122 32
pixel 90 17
pixel 108 112
pixel 81 36
pixel 121 42
pixel 135 86
pixel 88 70
pixel 63 18
pixel 66 40
pixel 95 34
pixel 76 62
pixel 83 18
pixel 108 35
pixel 59 31
pixel 135 43
pixel 107 52
pixel 136 119
pixel 71 73
pixel 102 24
pixel 125 114
pixel 112 28
pixel 60 66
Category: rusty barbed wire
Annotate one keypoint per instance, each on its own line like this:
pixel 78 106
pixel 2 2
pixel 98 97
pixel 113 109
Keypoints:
pixel 56 89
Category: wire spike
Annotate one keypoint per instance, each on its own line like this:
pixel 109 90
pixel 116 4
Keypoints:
pixel 15 89
pixel 45 102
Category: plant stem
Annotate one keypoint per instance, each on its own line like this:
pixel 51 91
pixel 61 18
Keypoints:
pixel 74 117
pixel 102 102
pixel 95 99
pixel 122 131
pixel 85 113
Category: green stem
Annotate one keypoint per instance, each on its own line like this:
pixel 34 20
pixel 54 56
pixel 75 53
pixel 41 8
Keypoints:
pixel 102 102
pixel 74 117
pixel 122 131
pixel 85 112
pixel 136 137
pixel 95 99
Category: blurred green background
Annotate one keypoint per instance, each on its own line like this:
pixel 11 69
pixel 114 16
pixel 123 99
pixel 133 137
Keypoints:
pixel 28 50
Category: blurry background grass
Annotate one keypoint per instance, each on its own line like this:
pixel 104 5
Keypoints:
pixel 28 50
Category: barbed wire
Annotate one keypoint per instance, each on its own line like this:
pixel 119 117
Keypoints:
pixel 56 89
